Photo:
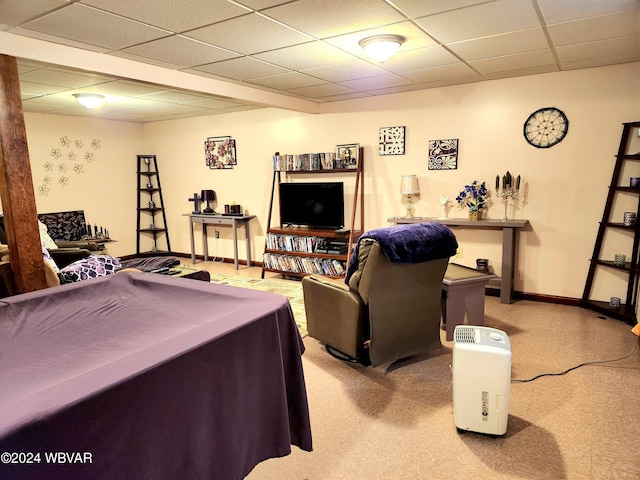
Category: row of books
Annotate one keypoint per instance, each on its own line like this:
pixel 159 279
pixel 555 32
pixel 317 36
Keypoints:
pixel 287 263
pixel 293 243
pixel 310 162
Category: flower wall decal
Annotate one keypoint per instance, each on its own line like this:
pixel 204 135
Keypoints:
pixel 67 160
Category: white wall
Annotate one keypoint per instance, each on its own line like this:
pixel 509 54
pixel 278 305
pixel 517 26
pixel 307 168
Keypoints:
pixel 565 187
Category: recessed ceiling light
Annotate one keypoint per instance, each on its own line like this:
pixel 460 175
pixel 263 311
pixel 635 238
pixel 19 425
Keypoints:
pixel 381 47
pixel 89 100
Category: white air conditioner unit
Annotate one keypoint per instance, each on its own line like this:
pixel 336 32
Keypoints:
pixel 481 367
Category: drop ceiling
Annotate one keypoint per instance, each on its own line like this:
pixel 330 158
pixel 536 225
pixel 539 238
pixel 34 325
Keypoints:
pixel 303 49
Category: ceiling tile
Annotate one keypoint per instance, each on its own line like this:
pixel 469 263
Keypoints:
pixel 126 88
pixel 60 78
pixel 492 18
pixel 520 72
pixel 440 73
pixel 404 88
pixel 555 11
pixel 185 15
pixel 261 4
pixel 376 83
pixel 306 55
pixel 604 48
pixel 596 28
pixel 447 82
pixel 249 34
pixel 498 45
pixel 325 90
pixel 286 81
pixel 421 8
pixel 15 12
pixel 88 25
pixel 242 68
pixel 329 18
pixel 37 89
pixel 601 61
pixel 514 62
pixel 180 51
pixel 345 71
pixel 418 59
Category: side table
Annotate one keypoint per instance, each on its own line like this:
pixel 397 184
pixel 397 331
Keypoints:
pixel 463 292
pixel 217 219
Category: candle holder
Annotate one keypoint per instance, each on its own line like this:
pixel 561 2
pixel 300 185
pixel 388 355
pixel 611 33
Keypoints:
pixel 508 191
pixel 506 194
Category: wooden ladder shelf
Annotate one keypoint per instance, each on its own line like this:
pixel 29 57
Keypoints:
pixel 630 268
pixel 150 191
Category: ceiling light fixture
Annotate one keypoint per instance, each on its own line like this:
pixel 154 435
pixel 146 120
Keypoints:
pixel 381 47
pixel 89 100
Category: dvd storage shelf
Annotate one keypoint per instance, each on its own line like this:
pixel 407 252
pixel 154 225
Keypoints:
pixel 299 250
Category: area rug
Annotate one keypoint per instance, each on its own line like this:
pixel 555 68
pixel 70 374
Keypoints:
pixel 289 288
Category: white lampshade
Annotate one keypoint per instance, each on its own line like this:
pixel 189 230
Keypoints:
pixel 89 100
pixel 409 185
pixel 381 47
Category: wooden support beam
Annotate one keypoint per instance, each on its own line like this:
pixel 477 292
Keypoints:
pixel 16 185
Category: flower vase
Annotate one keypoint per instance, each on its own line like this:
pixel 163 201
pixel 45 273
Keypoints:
pixel 475 215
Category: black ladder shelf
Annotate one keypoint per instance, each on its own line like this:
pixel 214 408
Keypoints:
pixel 630 269
pixel 148 190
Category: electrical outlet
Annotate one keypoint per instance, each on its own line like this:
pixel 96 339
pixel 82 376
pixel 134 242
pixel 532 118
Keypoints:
pixel 459 252
pixel 217 233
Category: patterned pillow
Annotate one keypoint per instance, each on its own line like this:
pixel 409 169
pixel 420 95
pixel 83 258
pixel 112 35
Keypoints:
pixel 93 266
pixel 45 238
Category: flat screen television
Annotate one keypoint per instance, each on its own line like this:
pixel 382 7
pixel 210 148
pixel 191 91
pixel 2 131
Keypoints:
pixel 315 205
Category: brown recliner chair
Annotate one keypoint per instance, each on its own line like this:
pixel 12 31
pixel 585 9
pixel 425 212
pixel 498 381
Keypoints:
pixel 389 306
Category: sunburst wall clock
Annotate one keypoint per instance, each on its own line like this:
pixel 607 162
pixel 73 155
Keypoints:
pixel 546 127
pixel 391 140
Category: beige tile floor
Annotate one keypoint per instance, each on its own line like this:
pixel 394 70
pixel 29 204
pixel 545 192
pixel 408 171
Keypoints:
pixel 396 422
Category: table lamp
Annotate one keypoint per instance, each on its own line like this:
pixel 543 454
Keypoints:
pixel 208 196
pixel 409 187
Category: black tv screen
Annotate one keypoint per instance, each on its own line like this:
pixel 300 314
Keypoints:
pixel 315 205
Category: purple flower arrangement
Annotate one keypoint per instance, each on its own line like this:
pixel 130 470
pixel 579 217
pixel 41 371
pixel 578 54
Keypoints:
pixel 474 196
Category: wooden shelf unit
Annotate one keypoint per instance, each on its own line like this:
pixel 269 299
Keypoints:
pixel 149 213
pixel 627 310
pixel 357 211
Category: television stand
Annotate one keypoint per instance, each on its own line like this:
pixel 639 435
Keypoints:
pixel 293 250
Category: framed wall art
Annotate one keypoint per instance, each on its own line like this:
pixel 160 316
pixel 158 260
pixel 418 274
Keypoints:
pixel 391 140
pixel 443 154
pixel 347 155
pixel 220 152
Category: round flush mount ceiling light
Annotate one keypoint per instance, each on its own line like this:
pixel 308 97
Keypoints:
pixel 89 100
pixel 381 47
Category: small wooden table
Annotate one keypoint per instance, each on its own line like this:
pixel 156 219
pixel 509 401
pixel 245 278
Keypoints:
pixel 217 219
pixel 463 292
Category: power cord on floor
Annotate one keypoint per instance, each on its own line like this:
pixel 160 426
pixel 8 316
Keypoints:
pixel 577 366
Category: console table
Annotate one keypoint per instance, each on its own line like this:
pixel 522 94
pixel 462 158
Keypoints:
pixel 228 220
pixel 509 229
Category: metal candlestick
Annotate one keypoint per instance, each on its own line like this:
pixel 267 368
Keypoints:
pixel 506 194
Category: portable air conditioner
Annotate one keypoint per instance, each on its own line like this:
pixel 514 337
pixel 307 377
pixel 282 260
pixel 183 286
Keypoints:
pixel 481 367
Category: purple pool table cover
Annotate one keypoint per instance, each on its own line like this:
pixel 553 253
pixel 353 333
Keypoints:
pixel 153 377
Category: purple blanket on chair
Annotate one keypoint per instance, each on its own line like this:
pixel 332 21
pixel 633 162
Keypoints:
pixel 409 243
